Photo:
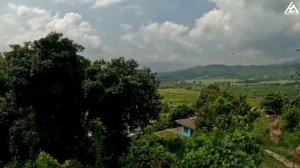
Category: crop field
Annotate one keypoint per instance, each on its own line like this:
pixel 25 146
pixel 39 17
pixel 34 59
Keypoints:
pixel 176 93
pixel 176 97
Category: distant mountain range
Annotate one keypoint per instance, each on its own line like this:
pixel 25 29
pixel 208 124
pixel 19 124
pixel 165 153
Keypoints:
pixel 167 66
pixel 243 72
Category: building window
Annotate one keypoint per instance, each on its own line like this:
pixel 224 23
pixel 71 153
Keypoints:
pixel 185 130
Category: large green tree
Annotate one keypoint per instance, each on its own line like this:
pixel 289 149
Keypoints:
pixel 122 95
pixel 47 75
pixel 273 102
pixel 220 109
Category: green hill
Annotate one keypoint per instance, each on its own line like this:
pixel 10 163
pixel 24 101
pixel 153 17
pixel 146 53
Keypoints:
pixel 251 72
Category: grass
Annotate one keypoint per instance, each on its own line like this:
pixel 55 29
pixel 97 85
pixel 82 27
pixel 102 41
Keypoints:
pixel 176 93
pixel 175 97
pixel 168 134
pixel 270 162
pixel 289 139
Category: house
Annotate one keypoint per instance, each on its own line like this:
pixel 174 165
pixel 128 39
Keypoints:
pixel 186 126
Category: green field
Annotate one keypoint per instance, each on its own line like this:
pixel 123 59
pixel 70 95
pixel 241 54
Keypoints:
pixel 176 97
pixel 180 92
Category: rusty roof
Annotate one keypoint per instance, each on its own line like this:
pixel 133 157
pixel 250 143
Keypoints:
pixel 188 122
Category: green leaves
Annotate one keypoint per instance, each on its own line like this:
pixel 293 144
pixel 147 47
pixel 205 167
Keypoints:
pixel 47 76
pixel 291 118
pixel 122 95
pixel 45 160
pixel 147 153
pixel 221 109
pixel 273 103
pixel 223 149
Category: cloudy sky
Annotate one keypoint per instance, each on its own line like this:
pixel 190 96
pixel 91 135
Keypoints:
pixel 196 32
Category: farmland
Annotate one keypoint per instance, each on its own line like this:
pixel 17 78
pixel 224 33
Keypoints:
pixel 187 91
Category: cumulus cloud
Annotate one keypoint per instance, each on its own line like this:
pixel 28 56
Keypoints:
pixel 236 32
pixel 105 3
pixel 25 23
pixel 95 3
pixel 164 40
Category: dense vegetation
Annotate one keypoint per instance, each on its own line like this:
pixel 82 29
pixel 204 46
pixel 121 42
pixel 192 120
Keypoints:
pixel 59 109
pixel 56 101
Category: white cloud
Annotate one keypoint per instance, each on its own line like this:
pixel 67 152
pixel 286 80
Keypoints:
pixel 74 1
pixel 95 3
pixel 105 3
pixel 126 27
pixel 237 32
pixel 165 40
pixel 25 23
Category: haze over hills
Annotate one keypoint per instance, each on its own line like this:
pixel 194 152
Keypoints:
pixel 243 72
pixel 167 66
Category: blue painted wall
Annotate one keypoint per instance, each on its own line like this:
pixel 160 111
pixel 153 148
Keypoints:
pixel 188 133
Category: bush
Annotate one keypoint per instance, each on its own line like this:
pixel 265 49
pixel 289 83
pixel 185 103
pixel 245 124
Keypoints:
pixel 147 152
pixel 13 164
pixel 163 122
pixel 72 164
pixel 180 112
pixel 44 160
pixel 291 119
pixel 261 130
pixel 273 103
pixel 223 149
pixel 291 139
pixel 16 164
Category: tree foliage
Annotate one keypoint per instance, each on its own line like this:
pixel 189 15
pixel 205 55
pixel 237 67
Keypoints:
pixel 220 109
pixel 147 153
pixel 273 103
pixel 46 75
pixel 121 95
pixel 291 118
pixel 223 149
pixel 181 111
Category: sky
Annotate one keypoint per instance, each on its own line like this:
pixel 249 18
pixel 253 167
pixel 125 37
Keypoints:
pixel 193 32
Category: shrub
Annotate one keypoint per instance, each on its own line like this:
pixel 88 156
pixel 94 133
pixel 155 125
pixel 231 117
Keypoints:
pixel 291 118
pixel 291 139
pixel 224 149
pixel 273 103
pixel 13 164
pixel 44 160
pixel 72 164
pixel 261 130
pixel 147 152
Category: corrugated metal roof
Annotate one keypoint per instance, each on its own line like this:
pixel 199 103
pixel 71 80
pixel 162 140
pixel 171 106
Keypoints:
pixel 187 122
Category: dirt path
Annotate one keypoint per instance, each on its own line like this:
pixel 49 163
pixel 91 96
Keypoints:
pixel 281 159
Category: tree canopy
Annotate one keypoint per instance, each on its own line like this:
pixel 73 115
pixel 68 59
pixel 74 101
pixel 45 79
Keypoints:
pixel 273 103
pixel 47 75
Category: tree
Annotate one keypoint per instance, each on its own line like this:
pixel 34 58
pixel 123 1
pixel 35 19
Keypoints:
pixel 207 95
pixel 5 84
pixel 47 75
pixel 273 103
pixel 147 153
pixel 121 95
pixel 8 113
pixel 221 109
pixel 180 112
pixel 234 149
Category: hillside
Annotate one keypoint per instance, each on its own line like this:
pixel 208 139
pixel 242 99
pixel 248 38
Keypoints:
pixel 251 72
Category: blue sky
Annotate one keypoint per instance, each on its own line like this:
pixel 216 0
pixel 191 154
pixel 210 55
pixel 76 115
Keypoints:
pixel 194 32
